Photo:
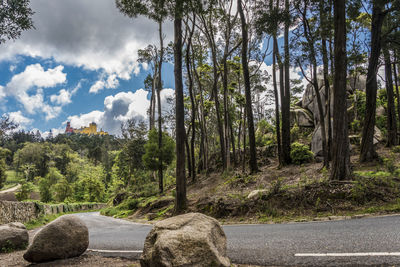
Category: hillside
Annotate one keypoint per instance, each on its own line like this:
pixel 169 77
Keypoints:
pixel 292 193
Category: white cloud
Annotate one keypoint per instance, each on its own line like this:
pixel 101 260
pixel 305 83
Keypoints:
pixel 20 119
pixel 95 88
pixel 111 83
pixel 54 132
pixel 63 98
pixel 34 77
pixel 2 93
pixel 120 108
pixel 90 34
pixel 12 68
pixel 85 119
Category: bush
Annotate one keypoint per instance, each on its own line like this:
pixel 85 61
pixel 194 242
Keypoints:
pixel 3 176
pixel 295 133
pixel 373 186
pixel 24 192
pixel 44 189
pixel 396 149
pixel 62 190
pixel 300 153
pixel 390 163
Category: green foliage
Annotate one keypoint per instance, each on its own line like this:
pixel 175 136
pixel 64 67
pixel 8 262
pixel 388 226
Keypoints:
pixel 300 153
pixel 62 190
pixel 15 18
pixel 390 163
pixel 10 247
pixel 381 123
pixel 264 134
pixel 396 149
pixel 33 160
pixel 25 191
pixel 89 186
pixel 295 133
pixel 3 169
pixel 153 154
pixel 370 186
pixel 44 189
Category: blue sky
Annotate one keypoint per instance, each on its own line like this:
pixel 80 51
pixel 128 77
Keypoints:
pixel 78 65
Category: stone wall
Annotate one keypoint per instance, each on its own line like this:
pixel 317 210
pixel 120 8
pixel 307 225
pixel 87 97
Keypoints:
pixel 13 211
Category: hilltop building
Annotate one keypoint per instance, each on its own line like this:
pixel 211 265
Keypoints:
pixel 91 130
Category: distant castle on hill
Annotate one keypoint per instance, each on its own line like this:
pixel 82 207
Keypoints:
pixel 91 130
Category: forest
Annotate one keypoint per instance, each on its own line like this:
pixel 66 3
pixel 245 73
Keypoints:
pixel 293 102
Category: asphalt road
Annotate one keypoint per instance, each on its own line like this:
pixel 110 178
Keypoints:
pixel 330 243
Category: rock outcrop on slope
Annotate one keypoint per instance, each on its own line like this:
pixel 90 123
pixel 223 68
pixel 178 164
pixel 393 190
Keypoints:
pixel 306 114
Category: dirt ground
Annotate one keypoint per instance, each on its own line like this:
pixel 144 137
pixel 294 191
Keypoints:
pixel 16 259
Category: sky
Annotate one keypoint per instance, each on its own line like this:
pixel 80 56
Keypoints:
pixel 79 64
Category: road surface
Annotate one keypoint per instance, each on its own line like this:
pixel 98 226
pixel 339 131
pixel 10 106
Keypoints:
pixel 367 241
pixel 12 189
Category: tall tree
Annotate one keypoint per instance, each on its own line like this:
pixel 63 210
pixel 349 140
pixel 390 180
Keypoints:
pixel 324 32
pixel 246 76
pixel 285 97
pixel 340 153
pixel 391 111
pixel 180 199
pixel 368 152
pixel 155 10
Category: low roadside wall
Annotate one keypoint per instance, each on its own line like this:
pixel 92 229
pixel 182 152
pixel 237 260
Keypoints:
pixel 14 211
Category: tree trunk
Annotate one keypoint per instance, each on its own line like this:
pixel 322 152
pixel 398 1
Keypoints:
pixel 152 104
pixel 368 152
pixel 325 60
pixel 180 200
pixel 192 170
pixel 285 98
pixel 189 163
pixel 226 120
pixel 246 76
pixel 276 95
pixel 341 154
pixel 397 87
pixel 391 110
pixel 159 88
pixel 313 61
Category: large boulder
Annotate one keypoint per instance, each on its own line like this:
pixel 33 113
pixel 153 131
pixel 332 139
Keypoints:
pixel 13 236
pixel 66 237
pixel 302 117
pixel 192 239
pixel 316 142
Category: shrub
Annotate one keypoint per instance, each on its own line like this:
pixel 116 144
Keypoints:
pixel 300 153
pixel 390 163
pixel 62 190
pixel 24 192
pixel 396 149
pixel 44 189
pixel 295 132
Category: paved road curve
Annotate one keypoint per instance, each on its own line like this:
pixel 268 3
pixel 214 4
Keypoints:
pixel 307 244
